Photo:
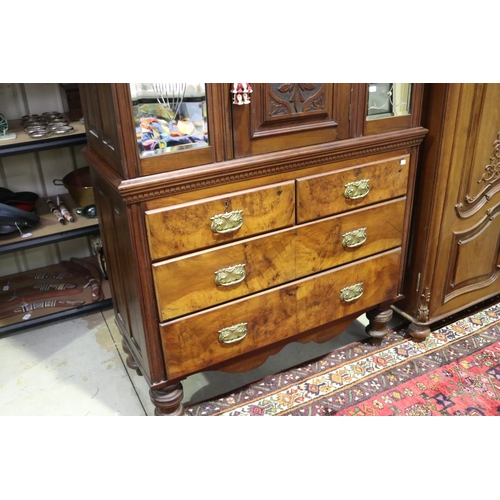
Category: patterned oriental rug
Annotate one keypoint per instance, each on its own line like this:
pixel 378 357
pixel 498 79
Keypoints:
pixel 455 371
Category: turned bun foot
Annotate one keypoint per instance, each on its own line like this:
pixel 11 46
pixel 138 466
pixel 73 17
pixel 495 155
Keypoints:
pixel 418 332
pixel 131 362
pixel 377 328
pixel 167 401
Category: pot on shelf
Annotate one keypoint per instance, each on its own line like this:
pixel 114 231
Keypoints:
pixel 79 185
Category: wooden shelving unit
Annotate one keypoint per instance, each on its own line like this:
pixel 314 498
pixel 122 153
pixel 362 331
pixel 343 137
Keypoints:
pixel 48 230
pixel 23 143
pixel 8 326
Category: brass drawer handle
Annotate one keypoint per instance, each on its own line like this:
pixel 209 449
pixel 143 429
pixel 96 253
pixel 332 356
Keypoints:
pixel 233 333
pixel 228 222
pixel 230 275
pixel 355 238
pixel 351 293
pixel 357 189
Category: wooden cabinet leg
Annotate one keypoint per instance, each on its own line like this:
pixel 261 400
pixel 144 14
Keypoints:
pixel 419 332
pixel 131 362
pixel 168 400
pixel 379 318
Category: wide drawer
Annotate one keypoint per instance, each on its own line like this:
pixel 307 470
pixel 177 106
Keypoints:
pixel 190 283
pixel 328 194
pixel 204 339
pixel 183 228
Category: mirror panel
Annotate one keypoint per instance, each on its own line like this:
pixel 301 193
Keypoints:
pixel 169 117
pixel 386 100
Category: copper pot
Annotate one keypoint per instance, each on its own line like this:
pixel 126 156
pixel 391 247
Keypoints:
pixel 79 185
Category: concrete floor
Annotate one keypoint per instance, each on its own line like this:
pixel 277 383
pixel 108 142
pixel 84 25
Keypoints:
pixel 76 367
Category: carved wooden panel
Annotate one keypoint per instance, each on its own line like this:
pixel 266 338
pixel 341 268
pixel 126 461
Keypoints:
pixel 481 154
pixel 281 106
pixel 288 99
pixel 474 261
pixel 474 226
pixel 470 232
pixel 455 257
pixel 288 115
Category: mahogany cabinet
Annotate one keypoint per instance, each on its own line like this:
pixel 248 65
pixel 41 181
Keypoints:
pixel 236 218
pixel 455 240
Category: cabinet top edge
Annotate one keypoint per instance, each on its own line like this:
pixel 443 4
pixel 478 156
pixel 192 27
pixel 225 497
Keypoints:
pixel 194 178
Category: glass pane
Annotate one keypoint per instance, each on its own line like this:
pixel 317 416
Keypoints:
pixel 169 117
pixel 388 99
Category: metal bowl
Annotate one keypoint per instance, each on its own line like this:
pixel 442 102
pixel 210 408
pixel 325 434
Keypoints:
pixel 79 185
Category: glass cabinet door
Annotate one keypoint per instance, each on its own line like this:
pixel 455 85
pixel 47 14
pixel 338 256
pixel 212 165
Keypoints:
pixel 173 125
pixel 169 117
pixel 388 99
pixel 389 106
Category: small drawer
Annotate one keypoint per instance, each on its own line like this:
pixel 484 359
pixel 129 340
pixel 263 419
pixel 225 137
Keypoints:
pixel 206 338
pixel 348 290
pixel 348 237
pixel 184 228
pixel 197 281
pixel 328 194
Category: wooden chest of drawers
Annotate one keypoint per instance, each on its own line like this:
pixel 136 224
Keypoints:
pixel 187 287
pixel 215 267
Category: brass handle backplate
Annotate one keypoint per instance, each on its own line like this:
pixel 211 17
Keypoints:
pixel 357 189
pixel 233 333
pixel 227 222
pixel 230 275
pixel 351 293
pixel 354 238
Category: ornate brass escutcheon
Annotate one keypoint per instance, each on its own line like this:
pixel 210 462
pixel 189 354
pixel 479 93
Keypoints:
pixel 350 293
pixel 228 222
pixel 230 275
pixel 233 333
pixel 354 238
pixel 357 189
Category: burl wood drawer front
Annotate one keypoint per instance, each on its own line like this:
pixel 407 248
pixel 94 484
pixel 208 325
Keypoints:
pixel 190 283
pixel 335 294
pixel 213 221
pixel 328 194
pixel 198 281
pixel 348 237
pixel 204 339
pixel 224 332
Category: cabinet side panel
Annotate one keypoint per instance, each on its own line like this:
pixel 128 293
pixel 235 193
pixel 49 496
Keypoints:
pixel 439 109
pixel 115 235
pixel 101 123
